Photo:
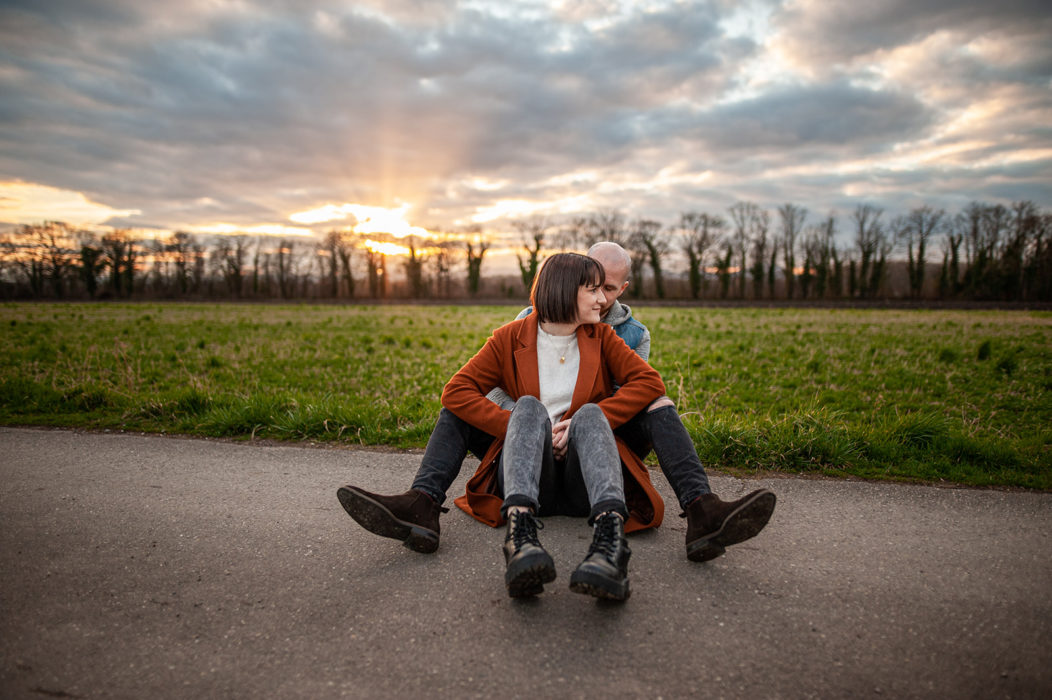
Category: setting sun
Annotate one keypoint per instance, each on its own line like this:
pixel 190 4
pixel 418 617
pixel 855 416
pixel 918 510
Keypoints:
pixel 370 219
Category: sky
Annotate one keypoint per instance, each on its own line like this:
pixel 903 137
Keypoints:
pixel 292 117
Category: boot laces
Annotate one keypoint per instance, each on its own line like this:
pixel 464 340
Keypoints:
pixel 605 540
pixel 524 529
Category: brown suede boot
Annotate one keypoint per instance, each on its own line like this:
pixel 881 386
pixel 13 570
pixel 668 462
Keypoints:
pixel 411 517
pixel 713 524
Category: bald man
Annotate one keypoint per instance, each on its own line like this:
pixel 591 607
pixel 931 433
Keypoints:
pixel 712 524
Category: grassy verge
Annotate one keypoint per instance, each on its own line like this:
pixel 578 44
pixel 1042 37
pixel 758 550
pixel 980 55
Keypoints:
pixel 957 396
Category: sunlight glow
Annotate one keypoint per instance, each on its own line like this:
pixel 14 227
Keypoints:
pixel 224 229
pixel 386 248
pixel 370 219
pixel 28 203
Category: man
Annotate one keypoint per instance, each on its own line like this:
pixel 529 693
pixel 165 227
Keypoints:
pixel 712 524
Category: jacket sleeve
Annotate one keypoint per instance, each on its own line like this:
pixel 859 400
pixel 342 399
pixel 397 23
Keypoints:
pixel 465 394
pixel 498 395
pixel 639 383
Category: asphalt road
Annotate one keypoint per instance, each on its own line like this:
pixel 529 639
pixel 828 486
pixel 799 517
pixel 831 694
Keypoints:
pixel 141 566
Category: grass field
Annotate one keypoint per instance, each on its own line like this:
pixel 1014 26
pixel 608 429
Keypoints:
pixel 956 396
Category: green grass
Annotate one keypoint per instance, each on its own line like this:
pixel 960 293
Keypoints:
pixel 954 396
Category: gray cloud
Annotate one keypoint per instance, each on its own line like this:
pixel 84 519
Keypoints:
pixel 837 31
pixel 245 115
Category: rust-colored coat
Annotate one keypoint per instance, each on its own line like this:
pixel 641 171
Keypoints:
pixel 509 360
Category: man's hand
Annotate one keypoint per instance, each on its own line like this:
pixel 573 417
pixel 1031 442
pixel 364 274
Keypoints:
pixel 561 438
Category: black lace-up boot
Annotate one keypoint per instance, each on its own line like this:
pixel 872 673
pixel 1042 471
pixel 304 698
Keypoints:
pixel 604 571
pixel 529 567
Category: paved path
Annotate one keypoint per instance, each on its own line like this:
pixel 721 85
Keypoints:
pixel 135 566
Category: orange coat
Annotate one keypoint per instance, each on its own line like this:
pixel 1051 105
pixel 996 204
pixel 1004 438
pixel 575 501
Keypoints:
pixel 509 360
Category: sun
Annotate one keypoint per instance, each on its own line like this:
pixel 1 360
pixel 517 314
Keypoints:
pixel 370 219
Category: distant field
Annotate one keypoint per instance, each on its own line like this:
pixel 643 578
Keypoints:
pixel 956 396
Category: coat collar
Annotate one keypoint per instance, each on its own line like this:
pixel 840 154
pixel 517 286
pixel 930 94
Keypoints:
pixel 526 361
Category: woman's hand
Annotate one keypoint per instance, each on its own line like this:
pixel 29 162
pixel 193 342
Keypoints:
pixel 561 438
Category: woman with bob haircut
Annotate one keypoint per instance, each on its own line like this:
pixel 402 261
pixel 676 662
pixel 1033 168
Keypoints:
pixel 555 452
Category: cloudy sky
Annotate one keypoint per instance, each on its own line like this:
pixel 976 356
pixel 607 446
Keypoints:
pixel 288 115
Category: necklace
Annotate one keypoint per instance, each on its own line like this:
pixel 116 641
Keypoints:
pixel 565 346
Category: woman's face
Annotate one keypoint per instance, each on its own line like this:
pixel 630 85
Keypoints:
pixel 590 300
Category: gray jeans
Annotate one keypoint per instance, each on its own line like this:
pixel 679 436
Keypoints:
pixel 588 482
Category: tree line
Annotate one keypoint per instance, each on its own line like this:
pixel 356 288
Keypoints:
pixel 983 252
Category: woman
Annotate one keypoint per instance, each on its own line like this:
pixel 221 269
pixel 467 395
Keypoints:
pixel 555 452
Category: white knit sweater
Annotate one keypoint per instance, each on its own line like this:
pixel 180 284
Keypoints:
pixel 558 361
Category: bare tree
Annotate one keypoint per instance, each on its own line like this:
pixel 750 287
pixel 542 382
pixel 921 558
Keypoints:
pixel 230 259
pixel 377 272
pixel 445 256
pixel 46 255
pixel 699 232
pixel 179 250
pixel 723 267
pixel 572 235
pixel 328 248
pixel 287 267
pixel 118 248
pixel 475 253
pixel 92 264
pixel 828 272
pixel 868 235
pixel 916 230
pixel 414 269
pixel 759 226
pixel 1018 269
pixel 532 230
pixel 743 215
pixel 793 218
pixel 649 239
pixel 606 225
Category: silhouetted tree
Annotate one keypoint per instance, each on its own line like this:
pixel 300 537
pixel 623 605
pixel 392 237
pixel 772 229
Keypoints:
pixel 605 225
pixel 648 237
pixel 744 215
pixel 792 218
pixel 868 235
pixel 759 226
pixel 532 231
pixel 475 252
pixel 414 269
pixel 699 232
pixel 723 268
pixel 446 253
pixel 119 251
pixel 92 264
pixel 916 230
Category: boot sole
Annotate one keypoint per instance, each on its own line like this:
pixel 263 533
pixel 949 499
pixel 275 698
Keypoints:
pixel 378 520
pixel 597 586
pixel 745 522
pixel 528 575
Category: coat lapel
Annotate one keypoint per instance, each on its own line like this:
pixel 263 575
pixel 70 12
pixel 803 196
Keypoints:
pixel 526 358
pixel 588 345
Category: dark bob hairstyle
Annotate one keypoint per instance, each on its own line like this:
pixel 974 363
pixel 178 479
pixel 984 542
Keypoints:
pixel 554 292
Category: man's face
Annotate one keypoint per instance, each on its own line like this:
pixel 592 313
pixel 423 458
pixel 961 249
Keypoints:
pixel 615 285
